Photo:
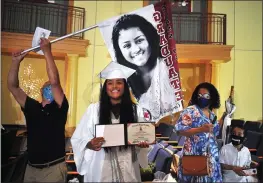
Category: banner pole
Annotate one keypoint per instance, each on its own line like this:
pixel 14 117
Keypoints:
pixel 61 38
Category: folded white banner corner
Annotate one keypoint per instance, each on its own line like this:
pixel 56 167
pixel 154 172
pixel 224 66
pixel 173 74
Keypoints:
pixel 39 33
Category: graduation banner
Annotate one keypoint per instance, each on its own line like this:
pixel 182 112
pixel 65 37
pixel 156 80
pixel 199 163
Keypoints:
pixel 143 40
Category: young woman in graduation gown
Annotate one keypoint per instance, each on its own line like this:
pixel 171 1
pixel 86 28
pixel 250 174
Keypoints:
pixel 111 164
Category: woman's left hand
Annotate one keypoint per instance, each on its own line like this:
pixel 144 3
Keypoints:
pixel 143 144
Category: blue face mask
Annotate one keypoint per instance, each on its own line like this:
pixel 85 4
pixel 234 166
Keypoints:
pixel 47 93
pixel 203 102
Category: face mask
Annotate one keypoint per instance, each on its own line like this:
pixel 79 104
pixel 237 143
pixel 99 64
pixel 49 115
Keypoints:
pixel 237 140
pixel 47 93
pixel 203 102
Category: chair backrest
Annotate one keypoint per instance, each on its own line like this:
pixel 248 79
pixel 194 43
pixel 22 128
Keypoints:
pixel 18 175
pixel 252 126
pixel 7 141
pixel 260 149
pixel 181 141
pixel 163 161
pixel 174 136
pixel 238 122
pixel 261 128
pixel 171 149
pixel 7 171
pixel 15 169
pixel 228 134
pixel 153 152
pixel 252 139
pixel 161 127
pixel 19 145
pixel 219 143
pixel 165 129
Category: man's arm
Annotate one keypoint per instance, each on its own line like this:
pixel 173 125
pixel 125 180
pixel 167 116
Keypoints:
pixel 12 79
pixel 238 170
pixel 227 167
pixel 52 72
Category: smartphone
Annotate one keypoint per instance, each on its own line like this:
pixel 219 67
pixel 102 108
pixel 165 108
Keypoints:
pixel 252 171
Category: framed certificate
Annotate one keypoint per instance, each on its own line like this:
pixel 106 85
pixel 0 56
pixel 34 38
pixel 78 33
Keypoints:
pixel 126 134
pixel 138 132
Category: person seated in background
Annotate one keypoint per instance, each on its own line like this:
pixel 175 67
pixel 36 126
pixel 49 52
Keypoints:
pixel 235 159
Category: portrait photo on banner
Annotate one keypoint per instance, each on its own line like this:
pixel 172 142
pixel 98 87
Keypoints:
pixel 132 40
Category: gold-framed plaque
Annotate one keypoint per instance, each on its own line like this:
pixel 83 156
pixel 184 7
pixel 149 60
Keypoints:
pixel 142 131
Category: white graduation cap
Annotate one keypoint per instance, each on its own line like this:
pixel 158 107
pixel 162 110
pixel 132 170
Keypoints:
pixel 115 71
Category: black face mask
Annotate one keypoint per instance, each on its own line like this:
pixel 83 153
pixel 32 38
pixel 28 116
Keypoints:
pixel 237 140
pixel 203 102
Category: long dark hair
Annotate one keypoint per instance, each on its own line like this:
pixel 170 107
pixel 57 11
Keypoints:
pixel 128 110
pixel 129 21
pixel 215 97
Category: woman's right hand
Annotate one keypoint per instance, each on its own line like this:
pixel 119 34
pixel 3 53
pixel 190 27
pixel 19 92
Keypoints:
pixel 95 143
pixel 207 128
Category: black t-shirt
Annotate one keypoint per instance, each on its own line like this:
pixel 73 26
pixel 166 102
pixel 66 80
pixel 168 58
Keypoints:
pixel 46 130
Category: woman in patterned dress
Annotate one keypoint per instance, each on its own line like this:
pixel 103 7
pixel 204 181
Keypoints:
pixel 195 122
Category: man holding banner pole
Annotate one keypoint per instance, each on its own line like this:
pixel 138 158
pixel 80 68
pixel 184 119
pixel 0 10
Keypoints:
pixel 45 121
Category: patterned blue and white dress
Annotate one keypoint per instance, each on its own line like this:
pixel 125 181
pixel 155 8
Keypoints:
pixel 193 117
